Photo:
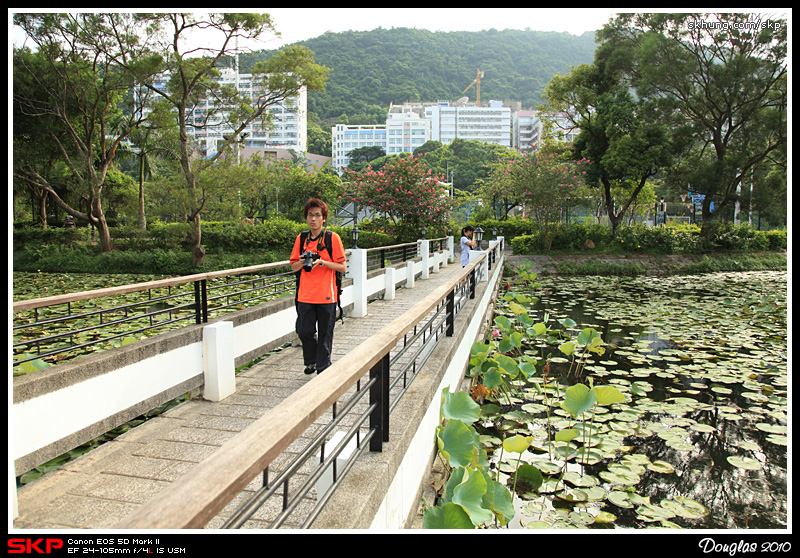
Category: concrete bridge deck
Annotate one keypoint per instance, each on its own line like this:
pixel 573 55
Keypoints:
pixel 102 487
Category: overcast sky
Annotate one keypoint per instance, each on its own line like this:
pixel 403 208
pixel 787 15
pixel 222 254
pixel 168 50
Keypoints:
pixel 296 24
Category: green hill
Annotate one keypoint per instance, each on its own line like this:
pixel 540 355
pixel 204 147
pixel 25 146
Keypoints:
pixel 371 69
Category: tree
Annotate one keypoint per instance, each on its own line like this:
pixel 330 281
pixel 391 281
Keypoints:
pixel 192 75
pixel 155 139
pixel 625 145
pixel 543 183
pixel 720 80
pixel 362 156
pixel 67 97
pixel 406 191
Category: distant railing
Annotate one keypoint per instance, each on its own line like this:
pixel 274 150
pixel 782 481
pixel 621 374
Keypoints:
pixel 383 256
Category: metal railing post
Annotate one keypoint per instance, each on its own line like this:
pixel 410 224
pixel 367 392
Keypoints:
pixel 473 282
pixel 451 313
pixel 200 302
pixel 379 396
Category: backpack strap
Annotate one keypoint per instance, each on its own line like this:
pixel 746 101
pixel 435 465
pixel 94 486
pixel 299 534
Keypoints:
pixel 303 237
pixel 329 245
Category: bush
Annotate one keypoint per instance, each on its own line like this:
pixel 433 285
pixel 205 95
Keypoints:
pixel 28 236
pixel 776 240
pixel 639 238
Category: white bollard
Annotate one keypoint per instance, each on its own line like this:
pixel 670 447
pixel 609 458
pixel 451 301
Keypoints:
pixel 410 275
pixel 425 252
pixel 389 288
pixel 326 480
pixel 357 271
pixel 218 361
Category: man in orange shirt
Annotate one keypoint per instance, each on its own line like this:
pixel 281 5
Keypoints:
pixel 317 256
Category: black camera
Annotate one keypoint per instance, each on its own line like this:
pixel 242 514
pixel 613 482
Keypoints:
pixel 308 260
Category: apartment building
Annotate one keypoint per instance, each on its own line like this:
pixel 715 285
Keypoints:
pixel 527 130
pixel 465 120
pixel 406 128
pixel 345 138
pixel 283 127
pixel 410 125
pixel 559 126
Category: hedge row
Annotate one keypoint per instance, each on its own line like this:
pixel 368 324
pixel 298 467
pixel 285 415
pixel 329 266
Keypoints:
pixel 218 237
pixel 163 248
pixel 660 240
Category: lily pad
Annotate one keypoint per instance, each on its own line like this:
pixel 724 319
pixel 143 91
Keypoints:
pixel 659 466
pixel 744 462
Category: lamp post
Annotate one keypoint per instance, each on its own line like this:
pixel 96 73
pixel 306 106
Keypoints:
pixel 478 238
pixel 355 237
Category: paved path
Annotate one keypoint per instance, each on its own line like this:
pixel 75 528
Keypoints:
pixel 99 489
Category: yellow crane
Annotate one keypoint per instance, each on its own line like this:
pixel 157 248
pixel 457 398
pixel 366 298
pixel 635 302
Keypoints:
pixel 476 82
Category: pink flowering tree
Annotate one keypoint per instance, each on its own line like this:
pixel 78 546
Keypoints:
pixel 406 193
pixel 543 184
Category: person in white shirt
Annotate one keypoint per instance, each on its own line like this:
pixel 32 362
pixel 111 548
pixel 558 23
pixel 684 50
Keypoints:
pixel 467 244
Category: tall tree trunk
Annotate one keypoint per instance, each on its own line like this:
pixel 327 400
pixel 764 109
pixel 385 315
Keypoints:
pixel 98 219
pixel 142 220
pixel 41 199
pixel 198 252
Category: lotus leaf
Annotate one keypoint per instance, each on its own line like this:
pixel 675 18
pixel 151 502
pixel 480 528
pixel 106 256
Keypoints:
pixel 578 399
pixel 448 516
pixel 459 406
pixel 744 462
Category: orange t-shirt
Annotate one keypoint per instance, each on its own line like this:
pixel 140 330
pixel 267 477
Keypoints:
pixel 318 286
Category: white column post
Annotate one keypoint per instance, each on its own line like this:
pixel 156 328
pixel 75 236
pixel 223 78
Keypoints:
pixel 389 278
pixel 218 361
pixel 410 274
pixel 483 275
pixel 357 271
pixel 450 250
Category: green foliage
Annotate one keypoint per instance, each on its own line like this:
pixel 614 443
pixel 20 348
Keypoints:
pixel 639 238
pixel 371 69
pixel 162 249
pixel 472 497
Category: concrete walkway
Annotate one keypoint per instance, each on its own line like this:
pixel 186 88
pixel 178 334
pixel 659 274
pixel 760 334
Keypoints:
pixel 101 488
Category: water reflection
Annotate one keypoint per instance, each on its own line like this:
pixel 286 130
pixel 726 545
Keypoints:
pixel 704 360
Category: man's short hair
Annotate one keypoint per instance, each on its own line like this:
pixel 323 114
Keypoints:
pixel 314 202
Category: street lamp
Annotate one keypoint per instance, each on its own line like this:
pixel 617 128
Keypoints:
pixel 355 237
pixel 478 237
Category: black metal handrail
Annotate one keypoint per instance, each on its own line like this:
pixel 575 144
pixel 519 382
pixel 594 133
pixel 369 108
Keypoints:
pixel 81 322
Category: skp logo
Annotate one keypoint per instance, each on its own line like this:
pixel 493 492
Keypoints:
pixel 31 546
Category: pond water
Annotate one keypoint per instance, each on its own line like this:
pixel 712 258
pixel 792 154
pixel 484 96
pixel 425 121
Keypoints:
pixel 701 440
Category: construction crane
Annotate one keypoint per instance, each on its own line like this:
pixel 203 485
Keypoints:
pixel 477 82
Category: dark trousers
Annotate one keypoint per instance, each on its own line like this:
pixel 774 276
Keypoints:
pixel 315 328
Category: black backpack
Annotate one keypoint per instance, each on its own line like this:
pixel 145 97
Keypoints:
pixel 326 245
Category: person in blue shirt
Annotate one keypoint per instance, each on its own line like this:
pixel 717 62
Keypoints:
pixel 467 244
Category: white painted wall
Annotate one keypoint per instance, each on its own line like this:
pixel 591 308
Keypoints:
pixel 401 498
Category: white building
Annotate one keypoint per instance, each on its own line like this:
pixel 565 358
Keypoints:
pixel 406 128
pixel 345 138
pixel 410 125
pixel 560 126
pixel 465 120
pixel 284 127
pixel 527 130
